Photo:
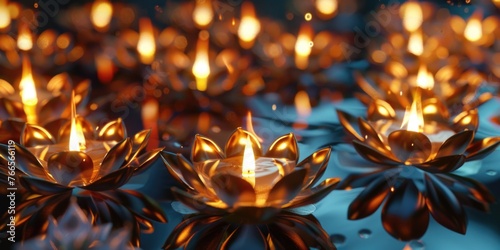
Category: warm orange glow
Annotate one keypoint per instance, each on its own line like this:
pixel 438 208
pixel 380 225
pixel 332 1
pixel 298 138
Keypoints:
pixel 146 46
pixel 28 92
pixel 414 119
pixel 412 15
pixel 496 3
pixel 76 137
pixel 303 46
pixel 474 30
pixel 249 26
pixel 101 14
pixel 4 14
pixel 302 104
pixel 425 79
pixel 24 39
pixel 326 7
pixel 248 167
pixel 150 111
pixel 416 43
pixel 203 13
pixel 201 66
pixel 105 68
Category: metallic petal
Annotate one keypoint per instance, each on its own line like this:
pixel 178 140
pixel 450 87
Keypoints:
pixel 25 161
pixel 233 190
pixel 11 129
pixel 308 228
pixel 380 109
pixel 349 123
pixel 112 131
pixel 195 202
pixel 245 237
pixel 42 187
pixel 209 237
pixel 284 147
pixel 235 145
pixel 410 147
pixel 482 148
pixel 371 137
pixel 144 161
pixel 443 164
pixel 363 180
pixel 183 171
pixel 287 188
pixel 205 149
pixel 444 206
pixel 111 181
pixel 59 83
pixel 405 215
pixel 467 120
pixel 188 227
pixel 316 165
pixel 139 142
pixel 373 154
pixel 115 157
pixel 71 168
pixel 368 201
pixel 456 144
pixel 315 194
pixel 435 110
pixel 283 236
pixel 34 135
pixel 469 192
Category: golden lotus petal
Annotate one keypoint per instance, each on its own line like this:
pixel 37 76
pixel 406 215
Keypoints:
pixel 287 188
pixel 112 131
pixel 315 194
pixel 6 88
pixel 205 149
pixel 456 144
pixel 482 148
pixel 59 83
pixel 443 164
pixel 235 145
pixel 467 120
pixel 410 147
pixel 348 122
pixel 371 136
pixel 316 165
pixel 9 109
pixel 139 142
pixel 71 168
pixel 115 157
pixel 284 147
pixel 372 154
pixel 434 110
pixel 380 109
pixel 197 203
pixel 25 161
pixel 233 190
pixel 34 135
pixel 368 87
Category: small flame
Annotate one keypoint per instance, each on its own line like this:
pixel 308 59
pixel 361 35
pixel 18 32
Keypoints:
pixel 303 104
pixel 425 79
pixel 4 14
pixel 303 46
pixel 248 167
pixel 416 43
pixel 412 16
pixel 24 39
pixel 250 126
pixel 76 137
pixel 201 66
pixel 414 118
pixel 28 93
pixel 105 68
pixel 150 111
pixel 203 13
pixel 326 7
pixel 146 45
pixel 101 14
pixel 249 26
pixel 474 30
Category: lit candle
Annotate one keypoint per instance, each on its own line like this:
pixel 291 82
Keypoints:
pixel 416 43
pixel 101 13
pixel 249 26
pixel 203 13
pixel 474 29
pixel 326 8
pixel 412 15
pixel 201 66
pixel 24 39
pixel 28 92
pixel 303 46
pixel 146 45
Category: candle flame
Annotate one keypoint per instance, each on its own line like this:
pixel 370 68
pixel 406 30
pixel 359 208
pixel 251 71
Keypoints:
pixel 24 39
pixel 303 46
pixel 250 126
pixel 302 104
pixel 248 167
pixel 474 30
pixel 416 43
pixel 412 16
pixel 146 45
pixel 203 13
pixel 249 26
pixel 101 14
pixel 326 7
pixel 201 66
pixel 414 119
pixel 4 14
pixel 425 79
pixel 76 137
pixel 28 93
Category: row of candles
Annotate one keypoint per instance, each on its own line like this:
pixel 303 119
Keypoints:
pixel 240 182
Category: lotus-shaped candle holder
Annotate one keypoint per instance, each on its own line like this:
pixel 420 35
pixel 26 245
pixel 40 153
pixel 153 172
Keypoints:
pixel 74 230
pixel 416 177
pixel 93 175
pixel 243 186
